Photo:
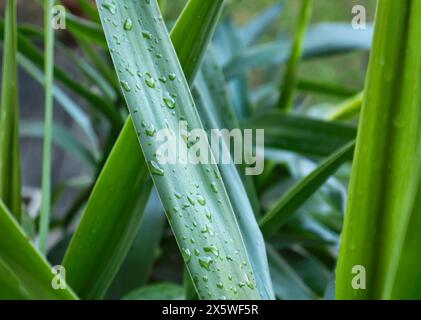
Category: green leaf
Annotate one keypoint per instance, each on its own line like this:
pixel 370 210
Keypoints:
pixel 190 51
pixel 137 267
pixel 93 284
pixel 160 291
pixel 286 282
pixel 322 40
pixel 254 29
pixel 10 176
pixel 301 134
pixel 408 280
pixel 216 112
pixel 290 77
pixel 348 108
pixel 63 138
pixel 385 175
pixel 48 127
pixel 299 194
pixel 24 273
pixel 110 220
pixel 214 238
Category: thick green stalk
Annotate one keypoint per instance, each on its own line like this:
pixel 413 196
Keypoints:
pixel 48 123
pixel 10 177
pixel 290 78
pixel 385 174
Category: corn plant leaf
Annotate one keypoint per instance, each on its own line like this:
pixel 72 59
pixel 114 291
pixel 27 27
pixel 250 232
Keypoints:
pixel 385 175
pixel 296 196
pixel 10 176
pixel 301 134
pixel 160 291
pixel 187 188
pixel 24 272
pixel 122 163
pixel 322 40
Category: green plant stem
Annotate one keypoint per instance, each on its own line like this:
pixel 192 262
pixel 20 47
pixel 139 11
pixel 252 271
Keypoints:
pixel 290 77
pixel 46 163
pixel 10 176
pixel 385 174
pixel 347 109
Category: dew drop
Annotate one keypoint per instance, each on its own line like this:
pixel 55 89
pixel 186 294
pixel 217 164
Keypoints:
pixel 205 263
pixel 156 169
pixel 128 24
pixel 212 249
pixel 186 255
pixel 172 76
pixel 125 86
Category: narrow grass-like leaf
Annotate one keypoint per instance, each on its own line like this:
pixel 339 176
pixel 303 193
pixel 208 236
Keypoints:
pixel 385 177
pixel 10 176
pixel 290 77
pixel 185 189
pixel 348 108
pixel 26 273
pixel 288 204
pixel 48 126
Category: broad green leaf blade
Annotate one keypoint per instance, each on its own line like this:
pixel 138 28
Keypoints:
pixel 257 27
pixel 288 204
pixel 49 40
pixel 291 73
pixel 110 220
pixel 31 274
pixel 136 269
pixel 217 113
pixel 127 139
pixel 385 175
pixel 160 291
pixel 322 40
pixel 10 176
pixel 301 134
pixel 189 51
pixel 185 190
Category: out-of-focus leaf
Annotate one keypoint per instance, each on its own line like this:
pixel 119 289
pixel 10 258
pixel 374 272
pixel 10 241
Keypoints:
pixel 161 291
pixel 295 197
pixel 322 40
pixel 10 176
pixel 254 29
pixel 286 282
pixel 301 134
pixel 24 272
